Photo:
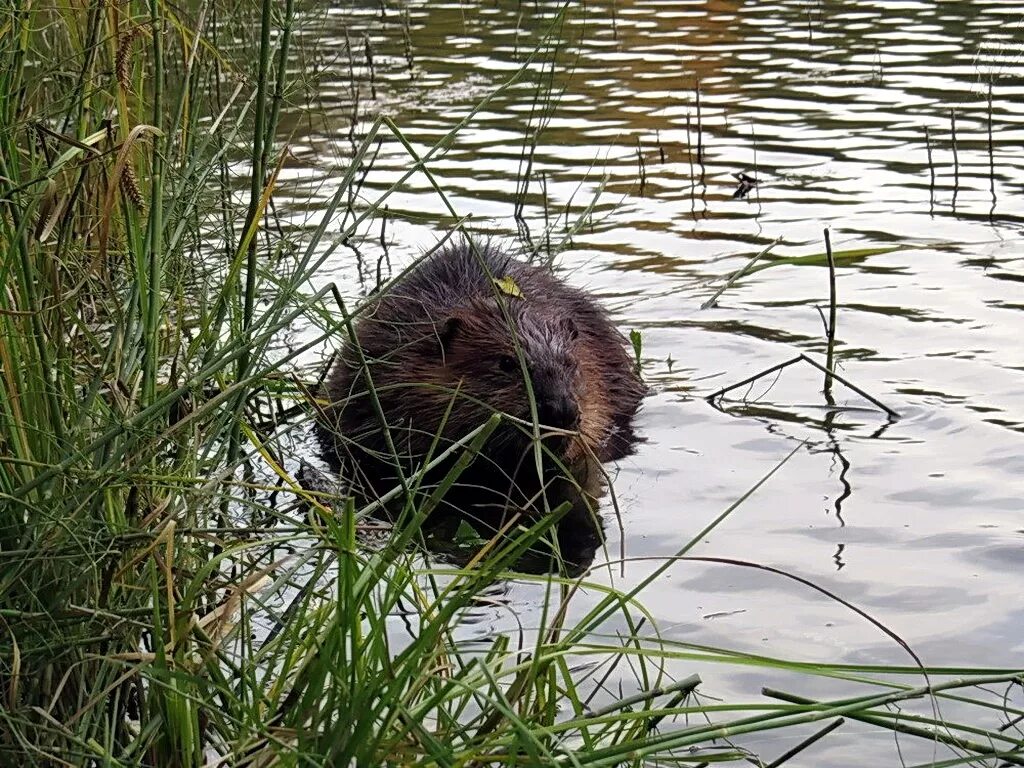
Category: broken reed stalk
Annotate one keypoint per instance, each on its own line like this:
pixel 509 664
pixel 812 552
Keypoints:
pixel 753 143
pixel 685 687
pixel 523 183
pixel 810 740
pixel 661 147
pixel 802 357
pixel 956 156
pixel 830 332
pixel 369 63
pixel 991 153
pixel 689 154
pixel 740 273
pixel 547 216
pixel 931 169
pixel 1009 756
pixel 641 165
pixel 352 82
pixel 700 127
pixel 407 40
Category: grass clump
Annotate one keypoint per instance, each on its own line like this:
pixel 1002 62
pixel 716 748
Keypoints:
pixel 156 608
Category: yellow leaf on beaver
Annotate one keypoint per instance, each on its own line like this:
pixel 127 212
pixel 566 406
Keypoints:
pixel 508 286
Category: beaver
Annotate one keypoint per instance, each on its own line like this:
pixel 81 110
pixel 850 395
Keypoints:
pixel 468 332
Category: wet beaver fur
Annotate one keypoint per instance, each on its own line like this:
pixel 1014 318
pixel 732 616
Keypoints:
pixel 439 348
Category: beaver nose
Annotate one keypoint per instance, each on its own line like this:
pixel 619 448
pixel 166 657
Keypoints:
pixel 559 412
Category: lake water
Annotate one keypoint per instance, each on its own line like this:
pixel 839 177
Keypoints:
pixel 918 521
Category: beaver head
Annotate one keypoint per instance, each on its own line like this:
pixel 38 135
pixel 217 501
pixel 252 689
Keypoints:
pixel 479 356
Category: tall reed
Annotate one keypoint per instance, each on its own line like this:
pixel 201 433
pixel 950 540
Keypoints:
pixel 156 608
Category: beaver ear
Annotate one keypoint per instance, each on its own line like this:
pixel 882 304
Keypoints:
pixel 569 326
pixel 447 331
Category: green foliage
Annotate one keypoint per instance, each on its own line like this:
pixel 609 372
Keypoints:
pixel 845 258
pixel 154 608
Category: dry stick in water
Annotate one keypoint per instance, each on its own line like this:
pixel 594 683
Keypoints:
pixel 830 332
pixel 794 751
pixel 1010 755
pixel 693 182
pixel 547 220
pixel 956 156
pixel 931 171
pixel 384 247
pixel 353 125
pixel 753 144
pixel 351 65
pixel 661 147
pixel 814 737
pixel 369 64
pixel 991 154
pixel 685 686
pixel 700 129
pixel 779 366
pixel 642 167
pixel 523 183
pixel 407 35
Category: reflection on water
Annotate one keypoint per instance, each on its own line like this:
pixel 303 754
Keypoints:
pixel 844 112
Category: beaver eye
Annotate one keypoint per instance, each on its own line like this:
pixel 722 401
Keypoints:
pixel 507 363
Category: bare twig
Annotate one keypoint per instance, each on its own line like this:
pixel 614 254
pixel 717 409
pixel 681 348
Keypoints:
pixel 831 334
pixel 805 743
pixel 779 366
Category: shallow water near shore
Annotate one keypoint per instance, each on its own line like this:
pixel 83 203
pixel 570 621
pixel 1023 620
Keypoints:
pixel 917 521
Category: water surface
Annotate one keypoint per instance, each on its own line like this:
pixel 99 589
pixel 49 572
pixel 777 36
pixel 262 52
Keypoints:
pixel 835 108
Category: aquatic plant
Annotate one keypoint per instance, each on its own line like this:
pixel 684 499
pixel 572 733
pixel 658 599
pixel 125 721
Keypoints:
pixel 156 606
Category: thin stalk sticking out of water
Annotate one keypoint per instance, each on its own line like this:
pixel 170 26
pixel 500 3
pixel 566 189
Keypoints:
pixel 802 357
pixel 385 253
pixel 956 156
pixel 369 63
pixel 641 166
pixel 739 273
pixel 661 147
pixel 693 181
pixel 991 153
pixel 931 171
pixel 353 124
pixel 753 143
pixel 830 331
pixel 700 130
pixel 352 86
pixel 940 734
pixel 685 686
pixel 524 183
pixel 407 39
pixel 547 220
pixel 809 741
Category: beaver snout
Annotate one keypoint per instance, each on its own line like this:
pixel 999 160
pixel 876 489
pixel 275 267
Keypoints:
pixel 560 412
